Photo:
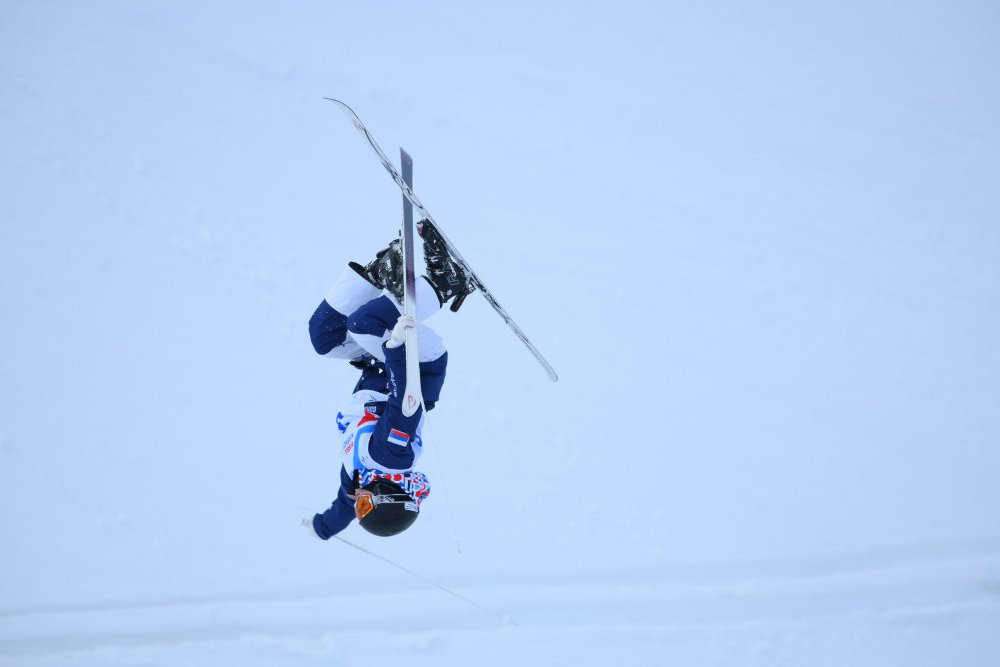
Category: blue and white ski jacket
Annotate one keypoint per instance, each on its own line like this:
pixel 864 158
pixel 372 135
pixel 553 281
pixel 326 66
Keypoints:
pixel 374 434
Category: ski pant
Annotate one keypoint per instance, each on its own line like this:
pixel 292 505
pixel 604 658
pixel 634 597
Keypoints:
pixel 356 318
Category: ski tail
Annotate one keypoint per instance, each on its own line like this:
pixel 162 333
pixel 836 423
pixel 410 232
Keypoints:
pixel 419 208
pixel 413 395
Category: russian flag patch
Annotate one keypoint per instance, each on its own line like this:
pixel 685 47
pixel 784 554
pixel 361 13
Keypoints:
pixel 397 437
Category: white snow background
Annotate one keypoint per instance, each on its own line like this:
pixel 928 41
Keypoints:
pixel 759 242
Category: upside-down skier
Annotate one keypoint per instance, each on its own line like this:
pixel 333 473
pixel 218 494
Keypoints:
pixel 361 320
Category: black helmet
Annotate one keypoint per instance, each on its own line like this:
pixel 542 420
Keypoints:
pixel 388 511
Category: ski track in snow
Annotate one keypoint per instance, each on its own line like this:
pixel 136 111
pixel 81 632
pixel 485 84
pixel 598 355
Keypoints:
pixel 751 609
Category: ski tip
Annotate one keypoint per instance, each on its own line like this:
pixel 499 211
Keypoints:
pixel 336 101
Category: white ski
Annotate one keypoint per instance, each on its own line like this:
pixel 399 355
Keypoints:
pixel 413 396
pixel 409 195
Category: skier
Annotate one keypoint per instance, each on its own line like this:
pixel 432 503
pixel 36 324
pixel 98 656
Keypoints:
pixel 360 320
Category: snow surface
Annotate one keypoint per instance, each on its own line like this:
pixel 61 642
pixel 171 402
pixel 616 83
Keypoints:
pixel 758 242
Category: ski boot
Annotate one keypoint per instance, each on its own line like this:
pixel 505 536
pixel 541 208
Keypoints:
pixel 385 271
pixel 445 275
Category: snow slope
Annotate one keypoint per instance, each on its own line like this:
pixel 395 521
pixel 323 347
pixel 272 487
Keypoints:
pixel 758 244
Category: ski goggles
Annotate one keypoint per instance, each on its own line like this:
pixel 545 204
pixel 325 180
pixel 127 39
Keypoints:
pixel 413 483
pixel 409 488
pixel 366 504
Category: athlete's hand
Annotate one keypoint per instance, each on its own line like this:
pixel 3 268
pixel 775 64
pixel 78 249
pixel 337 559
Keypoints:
pixel 399 331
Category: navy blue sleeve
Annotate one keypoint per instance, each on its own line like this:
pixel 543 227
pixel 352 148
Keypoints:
pixel 391 444
pixel 373 377
pixel 341 512
pixel 374 318
pixel 327 328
